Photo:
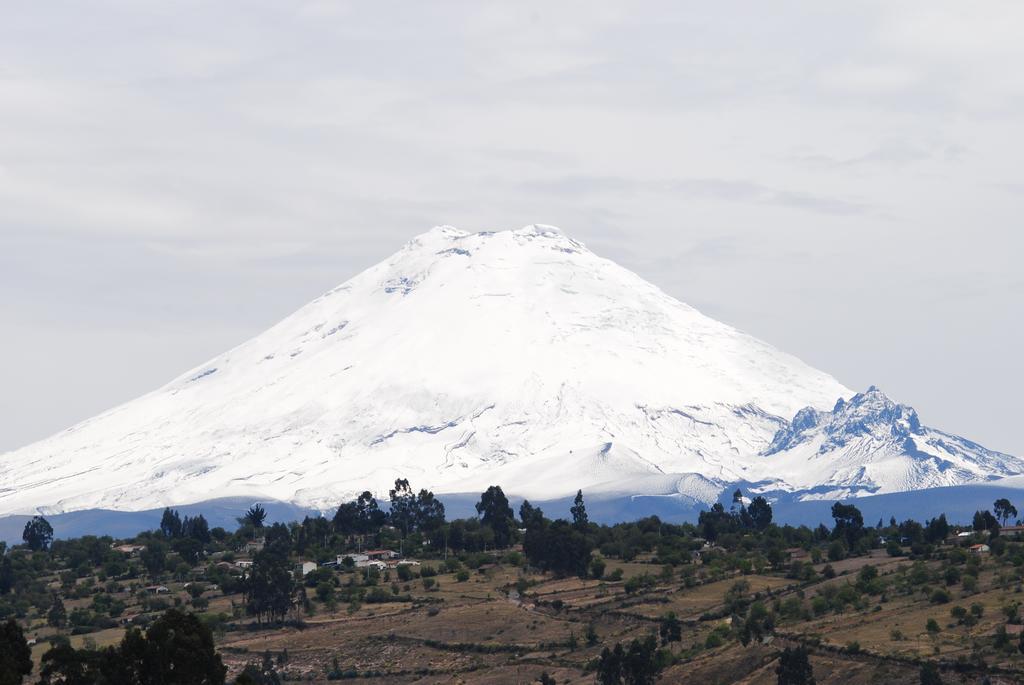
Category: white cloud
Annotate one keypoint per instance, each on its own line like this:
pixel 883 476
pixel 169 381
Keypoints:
pixel 808 172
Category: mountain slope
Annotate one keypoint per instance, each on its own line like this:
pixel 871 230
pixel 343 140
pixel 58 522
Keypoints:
pixel 515 357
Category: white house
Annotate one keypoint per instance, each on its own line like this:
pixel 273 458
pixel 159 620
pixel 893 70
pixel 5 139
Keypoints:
pixel 372 563
pixel 305 567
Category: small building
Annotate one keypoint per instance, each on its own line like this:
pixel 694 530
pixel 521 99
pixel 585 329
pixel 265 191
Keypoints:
pixel 356 558
pixel 382 554
pixel 305 567
pixel 157 589
pixel 980 549
pixel 964 534
pixel 1014 629
pixel 244 563
pixel 130 550
pixel 407 562
pixel 254 546
pixel 372 563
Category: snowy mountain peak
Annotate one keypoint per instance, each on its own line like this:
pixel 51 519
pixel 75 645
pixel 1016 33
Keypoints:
pixel 870 444
pixel 867 413
pixel 467 359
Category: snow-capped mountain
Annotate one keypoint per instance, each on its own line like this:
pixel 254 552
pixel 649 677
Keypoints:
pixel 516 357
pixel 871 445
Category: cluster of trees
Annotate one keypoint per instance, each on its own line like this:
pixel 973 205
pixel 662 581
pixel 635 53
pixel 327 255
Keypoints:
pixel 269 588
pixel 560 547
pixel 174 527
pixel 745 537
pixel 638 664
pixel 176 648
pixel 717 521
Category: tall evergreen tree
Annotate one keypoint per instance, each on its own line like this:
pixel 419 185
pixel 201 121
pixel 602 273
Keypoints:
pixel 57 616
pixel 170 524
pixel 579 513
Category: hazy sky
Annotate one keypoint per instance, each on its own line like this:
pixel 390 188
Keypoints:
pixel 842 180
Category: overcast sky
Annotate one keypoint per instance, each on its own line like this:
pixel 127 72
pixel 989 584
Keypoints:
pixel 842 180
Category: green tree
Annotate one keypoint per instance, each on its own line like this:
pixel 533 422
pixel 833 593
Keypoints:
pixel 495 512
pixel 178 650
pixel 929 674
pixel 1004 510
pixel 429 513
pixel 670 629
pixel 256 516
pixel 269 587
pixel 170 524
pixel 530 515
pixel 937 529
pixel 15 655
pixel 38 534
pixel 849 523
pixel 760 512
pixel 579 513
pixel 57 616
pixel 154 558
pixel 794 667
pixel 6 573
pixel 637 665
pixel 196 528
pixel 558 547
pixel 403 505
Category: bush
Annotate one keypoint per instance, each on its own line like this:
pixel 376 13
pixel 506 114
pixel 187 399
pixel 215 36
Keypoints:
pixel 641 582
pixel 940 596
pixel 462 576
pixel 714 640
